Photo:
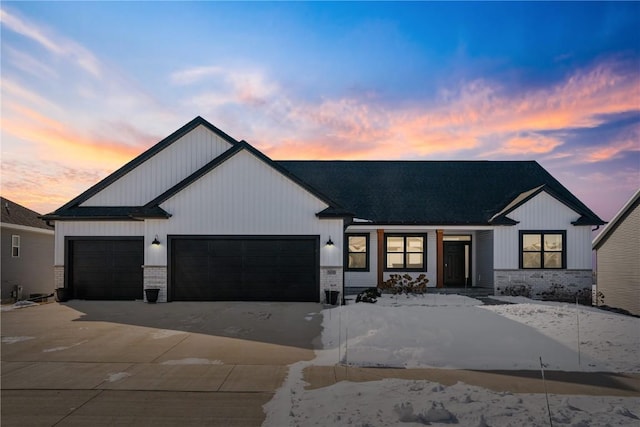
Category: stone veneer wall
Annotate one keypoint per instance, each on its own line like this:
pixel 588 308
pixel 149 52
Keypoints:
pixel 538 281
pixel 155 276
pixel 58 276
pixel 330 280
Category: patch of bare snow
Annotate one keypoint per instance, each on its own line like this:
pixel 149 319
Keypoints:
pixel 13 340
pixel 391 402
pixel 609 341
pixel 192 361
pixel 117 376
pixel 456 332
pixel 165 333
pixel 448 331
pixel 236 331
pixel 61 348
pixel 17 305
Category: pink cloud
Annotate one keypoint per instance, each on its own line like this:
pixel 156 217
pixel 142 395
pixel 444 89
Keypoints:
pixel 63 142
pixel 479 118
pixel 630 142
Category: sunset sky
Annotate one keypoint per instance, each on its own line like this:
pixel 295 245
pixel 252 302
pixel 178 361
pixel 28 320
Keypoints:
pixel 88 86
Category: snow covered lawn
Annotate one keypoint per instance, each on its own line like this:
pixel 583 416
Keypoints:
pixel 451 331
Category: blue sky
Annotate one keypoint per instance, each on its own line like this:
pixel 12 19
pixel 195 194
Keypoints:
pixel 86 86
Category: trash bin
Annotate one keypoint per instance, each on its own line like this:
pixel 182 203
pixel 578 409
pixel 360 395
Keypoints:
pixel 62 294
pixel 331 297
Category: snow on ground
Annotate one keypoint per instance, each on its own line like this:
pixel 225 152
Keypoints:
pixel 17 305
pixel 451 331
pixel 393 402
pixel 611 340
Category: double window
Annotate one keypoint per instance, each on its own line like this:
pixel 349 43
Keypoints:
pixel 543 249
pixel 357 252
pixel 405 251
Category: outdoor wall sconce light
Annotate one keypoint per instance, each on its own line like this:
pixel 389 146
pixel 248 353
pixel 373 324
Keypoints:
pixel 329 242
pixel 156 241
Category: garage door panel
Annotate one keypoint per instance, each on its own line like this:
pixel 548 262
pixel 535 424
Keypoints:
pixel 190 275
pixel 225 276
pixel 192 246
pixel 106 269
pixel 225 263
pixel 259 268
pixel 224 247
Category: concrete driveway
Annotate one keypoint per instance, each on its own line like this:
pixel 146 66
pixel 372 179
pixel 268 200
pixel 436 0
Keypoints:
pixel 130 363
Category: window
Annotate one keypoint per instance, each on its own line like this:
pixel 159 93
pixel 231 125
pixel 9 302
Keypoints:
pixel 542 249
pixel 405 252
pixel 15 246
pixel 358 252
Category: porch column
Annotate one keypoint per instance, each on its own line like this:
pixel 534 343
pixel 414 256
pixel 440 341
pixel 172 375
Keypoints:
pixel 439 259
pixel 380 256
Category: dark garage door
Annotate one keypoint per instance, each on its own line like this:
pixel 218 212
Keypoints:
pixel 106 269
pixel 245 269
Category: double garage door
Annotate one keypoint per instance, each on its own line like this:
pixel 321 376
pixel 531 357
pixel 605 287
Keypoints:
pixel 200 268
pixel 244 269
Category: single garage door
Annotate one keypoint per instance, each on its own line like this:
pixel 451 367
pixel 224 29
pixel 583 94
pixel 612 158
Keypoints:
pixel 245 269
pixel 106 269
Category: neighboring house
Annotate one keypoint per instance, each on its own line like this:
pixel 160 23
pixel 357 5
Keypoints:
pixel 205 217
pixel 27 252
pixel 618 259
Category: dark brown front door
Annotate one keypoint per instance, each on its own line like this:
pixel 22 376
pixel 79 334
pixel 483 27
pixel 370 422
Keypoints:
pixel 454 264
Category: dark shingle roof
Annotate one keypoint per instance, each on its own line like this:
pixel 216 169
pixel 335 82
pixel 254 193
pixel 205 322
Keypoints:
pixel 432 192
pixel 385 192
pixel 13 213
pixel 126 213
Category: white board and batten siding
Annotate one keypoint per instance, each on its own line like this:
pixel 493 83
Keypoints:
pixel 618 264
pixel 543 212
pixel 163 170
pixel 244 196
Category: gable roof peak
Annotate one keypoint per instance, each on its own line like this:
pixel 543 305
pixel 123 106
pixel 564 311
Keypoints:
pixel 144 156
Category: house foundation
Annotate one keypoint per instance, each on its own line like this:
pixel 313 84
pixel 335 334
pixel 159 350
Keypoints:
pixel 155 276
pixel 535 283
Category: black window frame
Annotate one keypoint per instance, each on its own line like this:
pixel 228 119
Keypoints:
pixel 405 236
pixel 15 248
pixel 366 252
pixel 542 251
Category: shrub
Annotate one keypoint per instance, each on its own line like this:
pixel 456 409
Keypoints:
pixel 557 292
pixel 517 291
pixel 405 284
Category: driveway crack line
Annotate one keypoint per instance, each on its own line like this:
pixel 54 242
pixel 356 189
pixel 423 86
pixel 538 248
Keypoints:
pixel 226 377
pixel 188 334
pixel 76 409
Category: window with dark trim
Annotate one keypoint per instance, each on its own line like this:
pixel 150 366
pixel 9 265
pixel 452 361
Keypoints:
pixel 357 253
pixel 543 249
pixel 405 252
pixel 15 246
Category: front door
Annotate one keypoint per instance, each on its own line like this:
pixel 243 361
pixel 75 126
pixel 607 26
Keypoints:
pixel 455 263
